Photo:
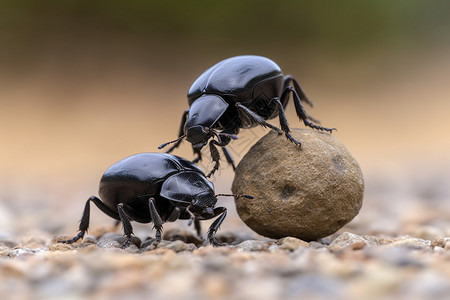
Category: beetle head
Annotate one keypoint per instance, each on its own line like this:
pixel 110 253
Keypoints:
pixel 190 188
pixel 203 205
pixel 203 116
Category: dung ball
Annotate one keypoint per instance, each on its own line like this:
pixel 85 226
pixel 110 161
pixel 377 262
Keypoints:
pixel 307 192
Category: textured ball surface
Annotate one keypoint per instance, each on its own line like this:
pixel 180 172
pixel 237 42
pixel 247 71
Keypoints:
pixel 307 192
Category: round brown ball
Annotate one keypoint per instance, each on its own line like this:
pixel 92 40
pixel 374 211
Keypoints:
pixel 308 192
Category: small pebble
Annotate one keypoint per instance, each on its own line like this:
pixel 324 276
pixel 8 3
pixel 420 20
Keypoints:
pixel 291 243
pixel 438 242
pixel 253 245
pixel 447 245
pixel 60 247
pixel 8 243
pixel 358 245
pixel 90 239
pixel 105 243
pixel 345 240
pixel 106 240
pixel 410 242
pixel 438 249
pixel 174 234
pixel 179 246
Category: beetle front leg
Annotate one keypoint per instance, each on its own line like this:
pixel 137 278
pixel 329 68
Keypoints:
pixel 215 156
pixel 222 211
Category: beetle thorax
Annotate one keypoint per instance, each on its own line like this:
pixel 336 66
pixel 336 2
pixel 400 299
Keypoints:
pixel 204 114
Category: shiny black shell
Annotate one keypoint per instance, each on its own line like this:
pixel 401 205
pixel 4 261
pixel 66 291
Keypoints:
pixel 242 79
pixel 135 179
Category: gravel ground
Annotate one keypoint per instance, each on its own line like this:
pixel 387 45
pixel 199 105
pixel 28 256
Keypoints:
pixel 346 265
pixel 351 266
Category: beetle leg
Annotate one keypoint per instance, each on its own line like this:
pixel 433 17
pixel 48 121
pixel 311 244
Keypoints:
pixel 84 222
pixel 198 229
pixel 222 211
pixel 284 123
pixel 312 119
pixel 156 218
pixel 198 153
pixel 105 209
pixel 192 218
pixel 301 111
pixel 228 157
pixel 174 215
pixel 298 89
pixel 301 94
pixel 256 118
pixel 215 156
pixel 127 228
pixel 180 131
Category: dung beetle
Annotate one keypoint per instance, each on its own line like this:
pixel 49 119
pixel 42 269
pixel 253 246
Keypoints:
pixel 238 92
pixel 158 188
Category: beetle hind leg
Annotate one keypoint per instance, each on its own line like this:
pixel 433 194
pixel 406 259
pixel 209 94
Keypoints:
pixel 284 123
pixel 127 228
pixel 156 219
pixel 301 111
pixel 314 120
pixel 84 222
pixel 287 80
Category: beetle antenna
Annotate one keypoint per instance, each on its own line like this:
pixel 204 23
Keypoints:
pixel 236 195
pixel 174 141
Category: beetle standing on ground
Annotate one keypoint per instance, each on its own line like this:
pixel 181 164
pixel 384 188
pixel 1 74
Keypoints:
pixel 158 188
pixel 238 92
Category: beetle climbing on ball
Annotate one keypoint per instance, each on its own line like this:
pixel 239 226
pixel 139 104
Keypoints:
pixel 158 188
pixel 238 92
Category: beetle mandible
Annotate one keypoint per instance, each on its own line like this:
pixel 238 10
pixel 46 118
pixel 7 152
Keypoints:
pixel 158 188
pixel 238 92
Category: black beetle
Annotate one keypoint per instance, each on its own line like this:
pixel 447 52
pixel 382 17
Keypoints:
pixel 158 188
pixel 238 92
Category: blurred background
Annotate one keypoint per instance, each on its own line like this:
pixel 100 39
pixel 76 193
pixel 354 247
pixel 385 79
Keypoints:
pixel 84 84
